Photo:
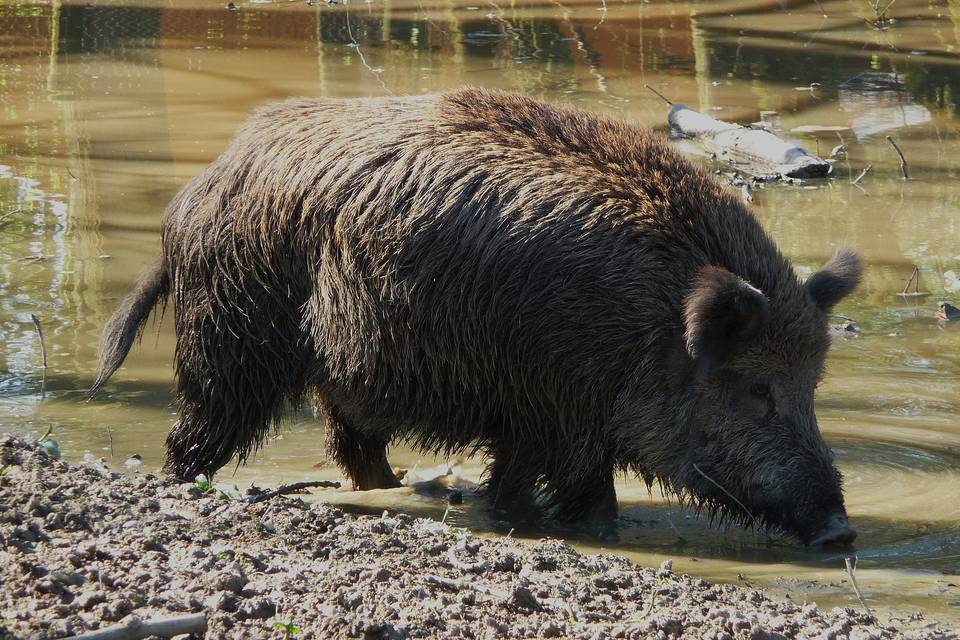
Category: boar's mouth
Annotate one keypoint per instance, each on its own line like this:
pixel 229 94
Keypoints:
pixel 830 530
pixel 814 527
pixel 836 533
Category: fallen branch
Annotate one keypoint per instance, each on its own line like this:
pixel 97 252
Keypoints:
pixel 43 352
pixel 296 487
pixel 134 628
pixel 754 151
pixel 903 161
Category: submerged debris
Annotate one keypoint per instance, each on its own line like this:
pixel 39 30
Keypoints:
pixel 948 312
pixel 844 330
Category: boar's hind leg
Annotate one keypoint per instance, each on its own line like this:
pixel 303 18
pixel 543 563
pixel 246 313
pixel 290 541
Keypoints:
pixel 234 378
pixel 362 457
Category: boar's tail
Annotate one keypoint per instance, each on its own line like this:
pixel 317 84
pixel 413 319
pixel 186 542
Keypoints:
pixel 126 323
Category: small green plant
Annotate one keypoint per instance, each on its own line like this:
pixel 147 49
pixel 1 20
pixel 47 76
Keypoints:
pixel 3 471
pixel 246 560
pixel 290 630
pixel 48 444
pixel 203 484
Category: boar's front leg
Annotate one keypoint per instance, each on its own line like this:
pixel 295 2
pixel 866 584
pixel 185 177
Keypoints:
pixel 361 456
pixel 512 476
pixel 574 497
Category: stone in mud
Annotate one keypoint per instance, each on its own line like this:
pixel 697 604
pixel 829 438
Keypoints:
pixel 231 581
pixel 89 599
pixel 522 598
pixel 222 601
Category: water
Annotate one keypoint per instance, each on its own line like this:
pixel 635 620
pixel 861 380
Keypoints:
pixel 106 109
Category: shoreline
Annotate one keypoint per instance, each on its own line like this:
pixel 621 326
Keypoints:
pixel 85 548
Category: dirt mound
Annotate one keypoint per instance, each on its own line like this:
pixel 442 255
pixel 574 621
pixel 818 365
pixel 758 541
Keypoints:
pixel 82 548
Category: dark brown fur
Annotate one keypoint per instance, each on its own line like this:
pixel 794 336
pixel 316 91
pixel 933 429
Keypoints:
pixel 482 271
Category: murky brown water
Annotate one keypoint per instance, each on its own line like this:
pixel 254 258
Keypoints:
pixel 106 109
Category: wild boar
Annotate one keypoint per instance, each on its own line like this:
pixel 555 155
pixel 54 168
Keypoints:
pixel 480 271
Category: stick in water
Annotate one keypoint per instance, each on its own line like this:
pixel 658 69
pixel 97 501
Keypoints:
pixel 862 174
pixel 292 488
pixel 913 275
pixel 134 628
pixel 661 96
pixel 6 216
pixel 851 571
pixel 43 351
pixel 903 161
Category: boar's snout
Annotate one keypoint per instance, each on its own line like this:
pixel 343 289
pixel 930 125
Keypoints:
pixel 836 532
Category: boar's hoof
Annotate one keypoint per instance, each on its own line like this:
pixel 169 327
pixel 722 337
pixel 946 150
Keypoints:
pixel 837 532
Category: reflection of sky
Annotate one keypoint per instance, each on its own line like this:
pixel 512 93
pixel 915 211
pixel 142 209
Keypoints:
pixel 50 216
pixel 878 103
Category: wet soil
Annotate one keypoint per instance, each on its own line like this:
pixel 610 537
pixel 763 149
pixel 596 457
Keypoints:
pixel 83 548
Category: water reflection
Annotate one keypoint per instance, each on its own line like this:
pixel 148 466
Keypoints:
pixel 106 110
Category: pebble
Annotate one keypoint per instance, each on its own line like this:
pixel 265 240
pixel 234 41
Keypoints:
pixel 229 581
pixel 89 599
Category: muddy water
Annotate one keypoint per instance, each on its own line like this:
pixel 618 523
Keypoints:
pixel 106 109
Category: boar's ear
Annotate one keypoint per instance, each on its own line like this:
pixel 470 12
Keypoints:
pixel 720 313
pixel 835 280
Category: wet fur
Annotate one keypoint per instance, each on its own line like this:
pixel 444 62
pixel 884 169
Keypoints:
pixel 471 271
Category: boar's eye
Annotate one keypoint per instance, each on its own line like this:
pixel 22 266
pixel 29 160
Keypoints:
pixel 760 390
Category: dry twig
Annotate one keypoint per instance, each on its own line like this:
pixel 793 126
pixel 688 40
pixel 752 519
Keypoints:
pixel 43 352
pixel 296 487
pixel 903 161
pixel 914 280
pixel 8 214
pixel 862 174
pixel 851 571
pixel 660 95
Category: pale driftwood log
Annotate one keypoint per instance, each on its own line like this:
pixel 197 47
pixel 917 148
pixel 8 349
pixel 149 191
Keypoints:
pixel 752 151
pixel 133 628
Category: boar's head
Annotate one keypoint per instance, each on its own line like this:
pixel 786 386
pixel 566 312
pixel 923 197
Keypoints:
pixel 757 454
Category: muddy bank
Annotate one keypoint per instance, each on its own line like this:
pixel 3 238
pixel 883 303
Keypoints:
pixel 83 548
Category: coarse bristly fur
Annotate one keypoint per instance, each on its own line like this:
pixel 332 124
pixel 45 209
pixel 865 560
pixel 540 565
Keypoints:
pixel 481 271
